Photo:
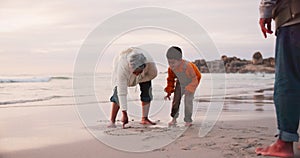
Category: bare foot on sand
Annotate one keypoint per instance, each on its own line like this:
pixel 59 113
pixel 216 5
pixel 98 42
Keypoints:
pixel 111 125
pixel 188 124
pixel 172 123
pixel 277 149
pixel 146 121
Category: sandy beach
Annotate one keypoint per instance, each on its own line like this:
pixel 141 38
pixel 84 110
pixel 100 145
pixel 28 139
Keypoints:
pixel 57 131
pixel 60 67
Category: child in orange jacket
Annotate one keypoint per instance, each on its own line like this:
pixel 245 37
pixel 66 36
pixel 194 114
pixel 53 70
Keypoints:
pixel 183 79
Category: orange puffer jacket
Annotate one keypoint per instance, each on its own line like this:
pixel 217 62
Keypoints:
pixel 192 72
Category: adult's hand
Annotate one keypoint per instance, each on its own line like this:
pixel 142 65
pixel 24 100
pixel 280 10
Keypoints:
pixel 265 26
pixel 124 118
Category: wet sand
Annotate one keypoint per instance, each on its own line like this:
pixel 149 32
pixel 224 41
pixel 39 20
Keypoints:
pixel 36 132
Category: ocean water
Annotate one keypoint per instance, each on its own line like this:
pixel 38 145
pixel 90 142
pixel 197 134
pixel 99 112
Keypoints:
pixel 57 90
pixel 236 96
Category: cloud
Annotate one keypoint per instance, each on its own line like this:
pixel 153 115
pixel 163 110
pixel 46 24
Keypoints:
pixel 54 30
pixel 25 16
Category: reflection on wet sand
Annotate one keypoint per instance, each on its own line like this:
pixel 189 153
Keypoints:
pixel 265 94
pixel 259 98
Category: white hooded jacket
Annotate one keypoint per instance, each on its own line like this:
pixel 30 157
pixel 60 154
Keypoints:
pixel 123 76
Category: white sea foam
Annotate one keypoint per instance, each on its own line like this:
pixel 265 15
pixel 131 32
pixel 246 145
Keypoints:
pixel 32 79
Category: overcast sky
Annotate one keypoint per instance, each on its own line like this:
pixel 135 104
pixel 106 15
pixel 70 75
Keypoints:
pixel 45 36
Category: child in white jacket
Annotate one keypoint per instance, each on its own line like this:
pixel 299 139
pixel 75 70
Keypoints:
pixel 131 67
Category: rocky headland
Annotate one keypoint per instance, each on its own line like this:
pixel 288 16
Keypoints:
pixel 236 65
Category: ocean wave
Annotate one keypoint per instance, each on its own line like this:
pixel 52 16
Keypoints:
pixel 29 100
pixel 32 79
pixel 61 78
pixel 21 103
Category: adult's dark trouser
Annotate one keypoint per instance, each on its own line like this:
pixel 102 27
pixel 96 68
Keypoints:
pixel 146 93
pixel 287 82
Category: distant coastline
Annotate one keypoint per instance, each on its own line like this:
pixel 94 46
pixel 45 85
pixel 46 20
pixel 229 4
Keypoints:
pixel 236 65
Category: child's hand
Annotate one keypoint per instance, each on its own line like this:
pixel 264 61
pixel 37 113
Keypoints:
pixel 167 96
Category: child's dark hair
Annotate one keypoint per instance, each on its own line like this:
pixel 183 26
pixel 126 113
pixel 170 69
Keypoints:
pixel 174 52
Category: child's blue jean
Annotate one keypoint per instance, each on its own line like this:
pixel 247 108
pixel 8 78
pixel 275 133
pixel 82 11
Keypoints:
pixel 188 103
